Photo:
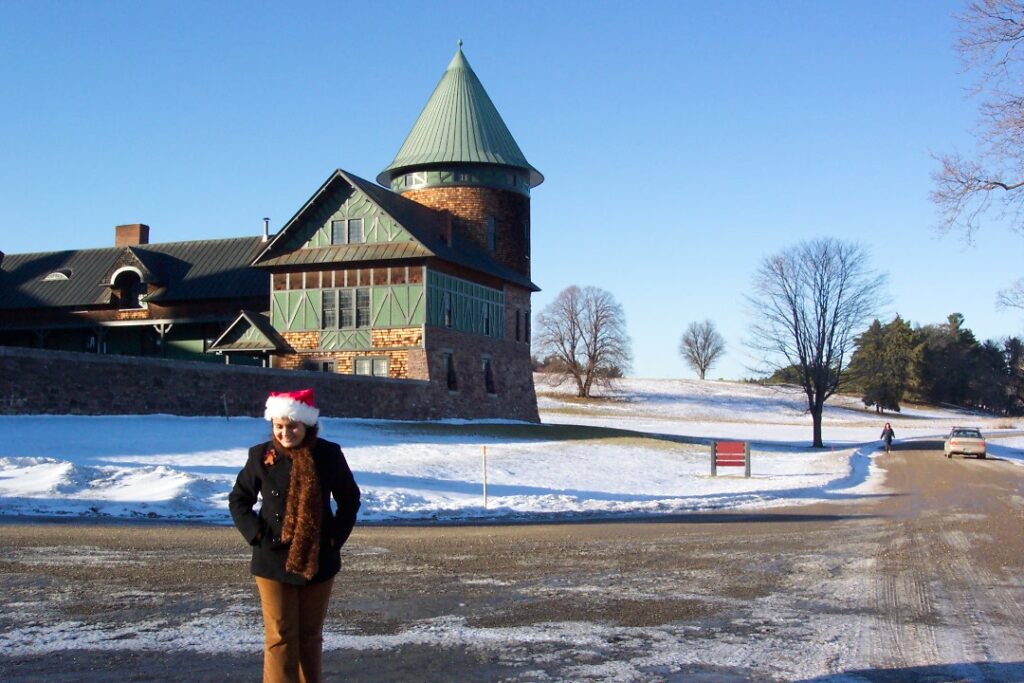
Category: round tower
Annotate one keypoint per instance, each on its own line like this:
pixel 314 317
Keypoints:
pixel 461 157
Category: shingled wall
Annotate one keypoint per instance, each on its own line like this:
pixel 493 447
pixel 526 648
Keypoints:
pixel 38 382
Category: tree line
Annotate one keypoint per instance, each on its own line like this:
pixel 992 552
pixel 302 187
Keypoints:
pixel 813 325
pixel 941 363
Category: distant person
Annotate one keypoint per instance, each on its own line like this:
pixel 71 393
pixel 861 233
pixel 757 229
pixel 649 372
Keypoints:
pixel 296 540
pixel 887 436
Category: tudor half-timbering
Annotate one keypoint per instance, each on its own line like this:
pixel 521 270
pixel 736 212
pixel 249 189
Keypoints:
pixel 429 279
pixel 423 275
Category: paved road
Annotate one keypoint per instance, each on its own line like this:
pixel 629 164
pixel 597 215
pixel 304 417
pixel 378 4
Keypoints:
pixel 922 582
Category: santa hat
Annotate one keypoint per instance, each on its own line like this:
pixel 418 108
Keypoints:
pixel 299 406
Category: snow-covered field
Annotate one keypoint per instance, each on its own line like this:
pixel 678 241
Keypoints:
pixel 638 450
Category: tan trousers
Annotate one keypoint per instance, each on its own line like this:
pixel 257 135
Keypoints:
pixel 293 630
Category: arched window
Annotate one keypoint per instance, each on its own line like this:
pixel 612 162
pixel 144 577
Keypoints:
pixel 130 289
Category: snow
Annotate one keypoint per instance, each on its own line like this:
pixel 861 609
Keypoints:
pixel 641 449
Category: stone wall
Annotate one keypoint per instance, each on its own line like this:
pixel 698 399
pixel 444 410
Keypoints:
pixel 510 363
pixel 34 381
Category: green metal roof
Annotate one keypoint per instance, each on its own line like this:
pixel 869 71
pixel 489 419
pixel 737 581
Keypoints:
pixel 459 124
pixel 250 331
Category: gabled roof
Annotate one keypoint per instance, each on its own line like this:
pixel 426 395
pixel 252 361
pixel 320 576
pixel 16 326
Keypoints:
pixel 250 331
pixel 459 124
pixel 149 265
pixel 423 223
pixel 204 269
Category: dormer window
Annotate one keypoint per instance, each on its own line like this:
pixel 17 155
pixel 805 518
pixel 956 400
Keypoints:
pixel 130 290
pixel 59 275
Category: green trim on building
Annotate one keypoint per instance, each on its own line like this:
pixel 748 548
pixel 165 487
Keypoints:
pixel 496 177
pixel 345 202
pixel 296 310
pixel 393 306
pixel 346 340
pixel 473 308
pixel 397 306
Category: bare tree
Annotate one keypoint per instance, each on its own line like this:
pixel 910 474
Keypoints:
pixel 809 303
pixel 966 189
pixel 585 329
pixel 701 346
pixel 1012 296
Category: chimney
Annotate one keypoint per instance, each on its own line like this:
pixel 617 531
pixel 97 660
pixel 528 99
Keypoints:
pixel 266 229
pixel 131 235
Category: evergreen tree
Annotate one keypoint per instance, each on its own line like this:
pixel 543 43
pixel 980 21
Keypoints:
pixel 865 371
pixel 880 367
pixel 1013 353
pixel 945 361
pixel 987 386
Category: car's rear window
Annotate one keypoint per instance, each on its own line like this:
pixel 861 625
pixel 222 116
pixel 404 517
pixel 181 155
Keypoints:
pixel 967 433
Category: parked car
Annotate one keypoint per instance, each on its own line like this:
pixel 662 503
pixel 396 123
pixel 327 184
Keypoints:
pixel 966 441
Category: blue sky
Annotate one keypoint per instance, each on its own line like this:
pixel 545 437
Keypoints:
pixel 681 142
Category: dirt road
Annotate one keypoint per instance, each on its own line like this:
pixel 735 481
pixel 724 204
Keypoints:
pixel 922 582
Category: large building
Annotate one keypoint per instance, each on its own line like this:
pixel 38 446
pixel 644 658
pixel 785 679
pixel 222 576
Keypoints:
pixel 424 276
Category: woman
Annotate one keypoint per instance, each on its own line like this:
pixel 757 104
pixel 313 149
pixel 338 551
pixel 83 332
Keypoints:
pixel 296 540
pixel 887 436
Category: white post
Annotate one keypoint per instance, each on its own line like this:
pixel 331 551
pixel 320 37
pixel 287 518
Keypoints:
pixel 485 476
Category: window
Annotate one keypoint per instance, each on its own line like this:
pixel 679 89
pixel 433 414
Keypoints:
pixel 491 237
pixel 347 231
pixel 355 231
pixel 447 309
pixel 346 309
pixel 369 366
pixel 59 275
pixel 329 319
pixel 488 376
pixel 363 307
pixel 517 324
pixel 526 327
pixel 346 305
pixel 487 319
pixel 327 366
pixel 449 372
pixel 130 290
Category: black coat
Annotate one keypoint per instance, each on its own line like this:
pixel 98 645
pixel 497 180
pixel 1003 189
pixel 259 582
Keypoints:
pixel 262 530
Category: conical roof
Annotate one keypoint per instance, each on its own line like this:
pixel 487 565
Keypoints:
pixel 459 124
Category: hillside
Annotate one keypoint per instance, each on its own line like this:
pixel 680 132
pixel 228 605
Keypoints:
pixel 640 449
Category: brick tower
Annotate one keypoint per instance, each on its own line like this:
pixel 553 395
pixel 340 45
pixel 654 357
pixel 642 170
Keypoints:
pixel 461 158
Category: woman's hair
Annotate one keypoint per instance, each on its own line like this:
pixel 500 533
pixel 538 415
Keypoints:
pixel 311 434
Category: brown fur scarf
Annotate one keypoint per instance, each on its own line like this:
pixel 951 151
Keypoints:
pixel 302 514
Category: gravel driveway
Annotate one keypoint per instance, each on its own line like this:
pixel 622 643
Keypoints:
pixel 922 582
